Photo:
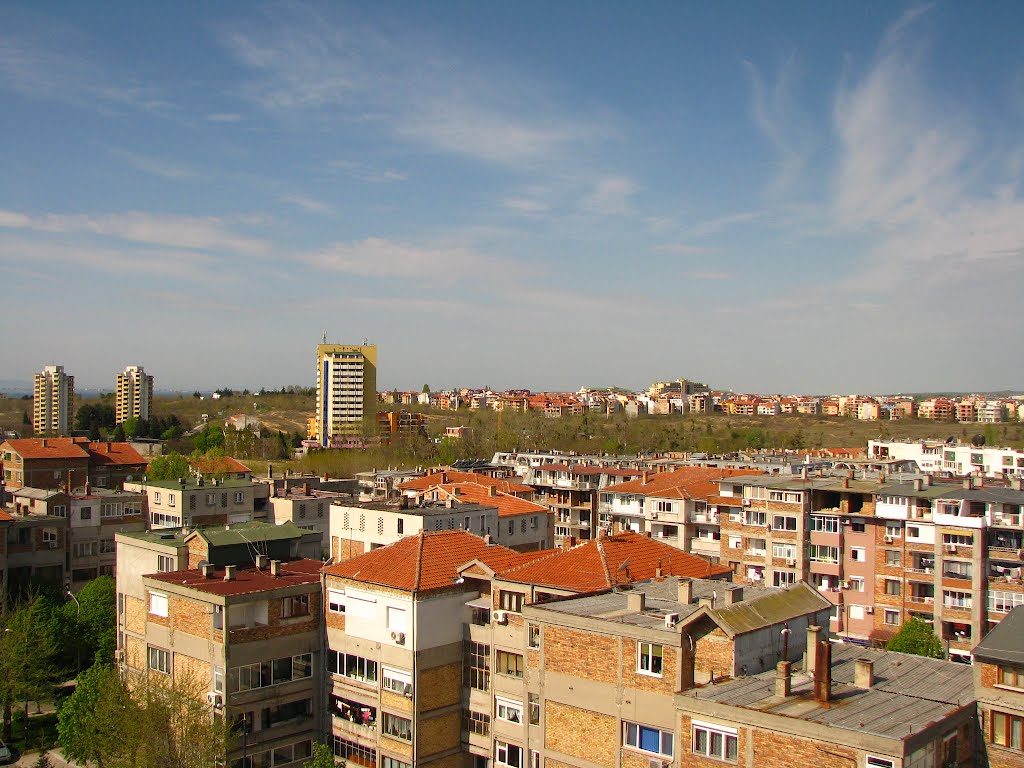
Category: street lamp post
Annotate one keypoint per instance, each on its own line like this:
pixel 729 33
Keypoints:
pixel 78 646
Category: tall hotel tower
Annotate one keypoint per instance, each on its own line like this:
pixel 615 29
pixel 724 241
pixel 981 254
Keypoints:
pixel 134 394
pixel 346 391
pixel 53 401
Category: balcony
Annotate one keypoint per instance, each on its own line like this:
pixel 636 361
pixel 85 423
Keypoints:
pixel 1013 554
pixel 921 599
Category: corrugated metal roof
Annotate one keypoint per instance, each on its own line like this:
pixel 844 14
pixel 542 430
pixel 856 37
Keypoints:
pixel 1006 640
pixel 773 607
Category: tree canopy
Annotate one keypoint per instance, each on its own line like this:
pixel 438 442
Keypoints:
pixel 171 466
pixel 917 637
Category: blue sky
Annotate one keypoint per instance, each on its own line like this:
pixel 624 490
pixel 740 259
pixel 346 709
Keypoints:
pixel 798 197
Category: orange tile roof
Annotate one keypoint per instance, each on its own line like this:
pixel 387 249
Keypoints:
pixel 4 517
pixel 428 560
pixel 218 465
pixel 115 453
pixel 604 562
pixel 427 482
pixel 506 503
pixel 247 580
pixel 55 448
pixel 682 483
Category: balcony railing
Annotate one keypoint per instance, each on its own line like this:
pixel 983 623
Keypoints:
pixel 921 599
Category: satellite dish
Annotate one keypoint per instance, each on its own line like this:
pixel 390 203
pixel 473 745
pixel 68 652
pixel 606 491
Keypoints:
pixel 978 440
pixel 201 564
pixel 625 565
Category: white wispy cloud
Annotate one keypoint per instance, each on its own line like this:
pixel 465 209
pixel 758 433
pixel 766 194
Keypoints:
pixel 224 117
pixel 525 205
pixel 377 257
pixel 172 231
pixel 305 59
pixel 307 203
pixel 187 265
pixel 611 195
pixel 719 224
pixel 780 120
pixel 153 165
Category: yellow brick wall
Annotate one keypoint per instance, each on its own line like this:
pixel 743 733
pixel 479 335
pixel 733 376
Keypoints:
pixel 134 615
pixel 395 701
pixel 197 550
pixel 439 686
pixel 193 673
pixel 438 734
pixel 581 733
pixel 396 747
pixel 714 654
pixel 135 652
pixel 153 618
pixel 582 654
pixel 631 678
pixel 191 616
pixel 451 761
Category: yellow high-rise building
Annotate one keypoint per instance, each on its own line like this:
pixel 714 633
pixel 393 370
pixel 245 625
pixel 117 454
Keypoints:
pixel 53 401
pixel 134 394
pixel 346 391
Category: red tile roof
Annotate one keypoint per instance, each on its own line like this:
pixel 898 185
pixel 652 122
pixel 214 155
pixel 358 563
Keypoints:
pixel 218 465
pixel 427 482
pixel 247 580
pixel 427 560
pixel 602 563
pixel 682 483
pixel 48 448
pixel 4 517
pixel 114 454
pixel 506 503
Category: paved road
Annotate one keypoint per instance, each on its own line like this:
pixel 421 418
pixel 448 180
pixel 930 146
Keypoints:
pixel 56 760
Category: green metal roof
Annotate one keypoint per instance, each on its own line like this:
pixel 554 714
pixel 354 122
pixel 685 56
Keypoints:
pixel 247 533
pixel 770 608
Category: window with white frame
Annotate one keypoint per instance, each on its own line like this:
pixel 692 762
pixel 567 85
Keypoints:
pixel 396 619
pixel 509 710
pixel 159 660
pixel 158 604
pixel 715 741
pixel 156 497
pixel 239 497
pixel 396 680
pixel 508 754
pixel 649 658
pixel 783 578
pixel 663 506
pixel 735 542
pixel 856 584
pixel 893 529
pixel 783 550
pixel 1003 602
pixel 336 600
pixel 819 553
pixel 755 517
pixel 652 740
pixel 824 523
pixel 164 563
pixel 171 499
pixel 397 726
pixel 783 523
pixel 956 599
pixel 857 554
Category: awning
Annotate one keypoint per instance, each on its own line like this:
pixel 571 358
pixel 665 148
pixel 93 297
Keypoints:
pixel 480 602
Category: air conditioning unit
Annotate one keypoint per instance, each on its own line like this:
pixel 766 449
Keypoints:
pixel 844 585
pixel 951 548
pixel 407 691
pixel 119 655
pixel 869 609
pixel 746 502
pixel 671 619
pixel 499 617
pixel 53 544
pixel 654 762
pixel 398 637
pixel 215 699
pixel 791 562
pixel 888 538
pixel 654 515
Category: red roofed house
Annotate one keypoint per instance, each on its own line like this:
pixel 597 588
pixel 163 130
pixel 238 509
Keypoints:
pixel 62 462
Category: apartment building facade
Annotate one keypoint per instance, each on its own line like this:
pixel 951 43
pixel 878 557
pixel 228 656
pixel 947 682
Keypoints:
pixel 190 502
pixel 999 685
pixel 69 462
pixel 53 401
pixel 133 394
pixel 346 392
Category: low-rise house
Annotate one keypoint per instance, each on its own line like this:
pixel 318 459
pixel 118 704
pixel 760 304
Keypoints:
pixel 189 502
pixel 999 685
pixel 58 462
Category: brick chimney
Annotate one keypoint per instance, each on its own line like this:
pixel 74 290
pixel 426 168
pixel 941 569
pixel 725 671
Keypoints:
pixel 733 595
pixel 823 672
pixel 685 594
pixel 783 679
pixel 864 673
pixel 811 649
pixel 636 602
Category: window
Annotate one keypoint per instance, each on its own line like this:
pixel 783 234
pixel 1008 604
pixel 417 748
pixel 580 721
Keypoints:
pixel 715 741
pixel 396 619
pixel 755 517
pixel 958 540
pixel 1008 730
pixel 649 658
pixel 784 551
pixel 957 569
pixel 285 713
pixel 826 524
pixel 1003 602
pixel 510 601
pixel 648 739
pixel 355 667
pixel 783 578
pixel 59 510
pixel 477 666
pixel 296 605
pixel 1011 676
pixel 239 497
pixel 49 536
pixel 534 704
pixel 533 636
pixel 390 762
pixel 508 754
pixel 858 526
pixel 892 557
pixel 164 563
pixel 335 601
pixel 821 554
pixel 509 664
pixel 877 762
pixel 396 680
pixel 954 599
pixel 857 554
pixel 218 679
pixel 156 497
pixel 159 660
pixel 350 751
pixel 171 499
pixel 893 529
pixel 892 617
pixel 400 526
pixel 191 502
pixel 108 547
pixel 223 499
pixel 892 587
pixel 476 722
pixel 534 758
pixel 663 506
pixel 783 523
pixel 856 584
pixel 508 710
pixel 86 513
pixel 218 617
pixel 398 727
pixel 158 604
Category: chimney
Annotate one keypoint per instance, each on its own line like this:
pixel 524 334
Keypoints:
pixel 864 673
pixel 568 542
pixel 823 672
pixel 803 473
pixel 270 470
pixel 327 477
pixel 811 651
pixel 1017 484
pixel 927 481
pixel 734 595
pixel 43 443
pixel 229 573
pixel 646 477
pixel 88 488
pixel 783 679
pixel 846 482
pixel 207 570
pixel 262 561
pixel 635 602
pixel 487 539
pixel 492 491
pixel 685 594
pixel 918 484
pixel 403 502
pixel 967 483
pixel 306 490
pixel 707 601
pixel 275 567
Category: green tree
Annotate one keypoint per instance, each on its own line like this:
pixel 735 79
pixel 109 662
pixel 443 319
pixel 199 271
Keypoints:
pixel 97 619
pixel 119 433
pixel 426 389
pixel 131 427
pixel 91 724
pixel 917 637
pixel 168 467
pixel 323 757
pixel 43 761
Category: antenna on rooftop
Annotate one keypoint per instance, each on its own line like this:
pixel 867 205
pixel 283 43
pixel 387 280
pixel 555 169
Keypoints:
pixel 325 337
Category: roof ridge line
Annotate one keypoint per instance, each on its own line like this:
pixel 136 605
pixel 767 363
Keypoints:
pixel 419 561
pixel 604 561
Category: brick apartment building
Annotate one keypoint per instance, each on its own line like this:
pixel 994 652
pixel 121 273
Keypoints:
pixel 69 462
pixel 999 685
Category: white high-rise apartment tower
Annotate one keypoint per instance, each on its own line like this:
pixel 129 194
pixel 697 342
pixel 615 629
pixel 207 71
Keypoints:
pixel 346 391
pixel 53 401
pixel 134 394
